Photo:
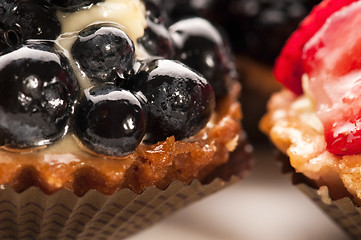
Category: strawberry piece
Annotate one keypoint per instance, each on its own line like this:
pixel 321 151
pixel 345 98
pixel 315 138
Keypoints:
pixel 288 67
pixel 332 60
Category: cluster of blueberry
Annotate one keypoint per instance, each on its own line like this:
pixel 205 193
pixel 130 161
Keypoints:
pixel 131 100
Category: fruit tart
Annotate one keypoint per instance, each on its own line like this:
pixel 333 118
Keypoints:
pixel 315 119
pixel 112 116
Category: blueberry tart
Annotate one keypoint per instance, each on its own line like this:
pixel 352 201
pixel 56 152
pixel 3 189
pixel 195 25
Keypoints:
pixel 111 117
pixel 108 95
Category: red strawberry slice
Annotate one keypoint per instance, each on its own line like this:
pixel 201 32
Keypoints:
pixel 288 67
pixel 332 60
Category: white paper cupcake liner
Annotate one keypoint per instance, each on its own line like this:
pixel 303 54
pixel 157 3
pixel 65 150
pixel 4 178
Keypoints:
pixel 344 212
pixel 35 215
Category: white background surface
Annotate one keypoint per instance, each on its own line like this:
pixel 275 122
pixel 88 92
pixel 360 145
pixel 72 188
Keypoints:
pixel 264 206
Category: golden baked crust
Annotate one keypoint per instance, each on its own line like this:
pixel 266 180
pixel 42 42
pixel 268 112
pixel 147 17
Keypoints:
pixel 65 165
pixel 293 127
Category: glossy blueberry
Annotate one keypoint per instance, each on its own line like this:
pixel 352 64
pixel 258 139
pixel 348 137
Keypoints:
pixel 109 120
pixel 155 11
pixel 156 40
pixel 25 20
pixel 179 101
pixel 37 96
pixel 200 45
pixel 103 52
pixel 72 5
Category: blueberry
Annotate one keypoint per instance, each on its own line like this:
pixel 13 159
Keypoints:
pixel 155 11
pixel 156 40
pixel 37 96
pixel 200 45
pixel 103 52
pixel 72 5
pixel 110 120
pixel 28 20
pixel 179 101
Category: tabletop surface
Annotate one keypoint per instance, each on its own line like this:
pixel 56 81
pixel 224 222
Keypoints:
pixel 263 206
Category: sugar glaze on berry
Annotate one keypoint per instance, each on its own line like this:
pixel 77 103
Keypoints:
pixel 178 100
pixel 110 120
pixel 103 52
pixel 156 39
pixel 35 105
pixel 200 46
pixel 24 20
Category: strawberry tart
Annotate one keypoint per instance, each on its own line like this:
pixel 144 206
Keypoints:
pixel 316 119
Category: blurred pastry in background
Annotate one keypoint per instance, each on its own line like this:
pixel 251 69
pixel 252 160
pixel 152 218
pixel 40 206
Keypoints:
pixel 256 30
pixel 315 119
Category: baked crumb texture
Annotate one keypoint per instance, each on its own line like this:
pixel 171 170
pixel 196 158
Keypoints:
pixel 294 128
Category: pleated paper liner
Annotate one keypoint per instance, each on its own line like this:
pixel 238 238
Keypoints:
pixel 343 211
pixel 63 215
